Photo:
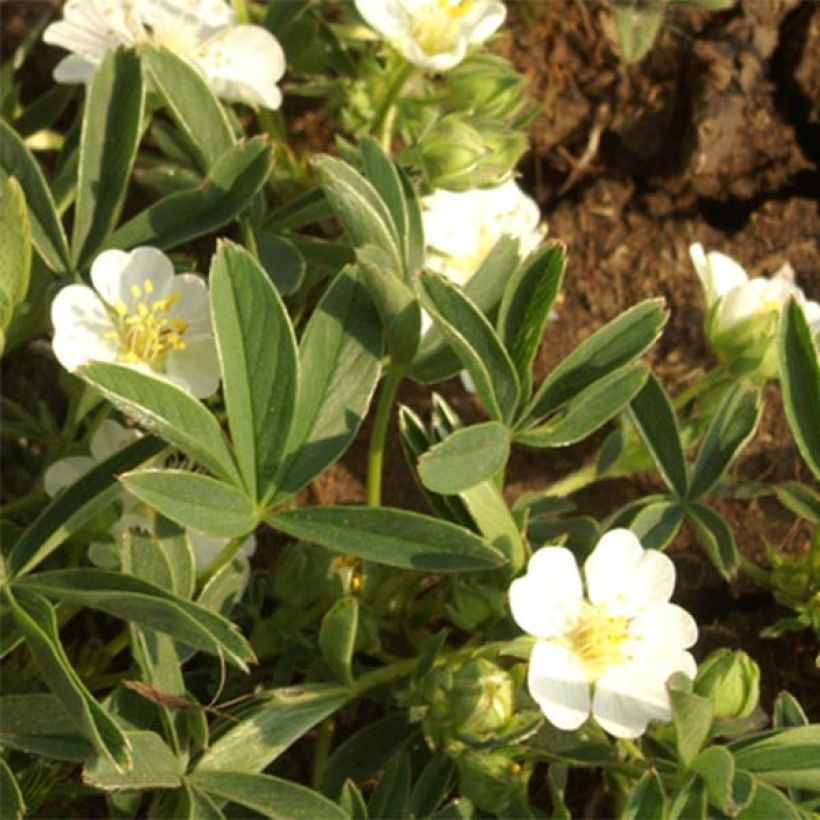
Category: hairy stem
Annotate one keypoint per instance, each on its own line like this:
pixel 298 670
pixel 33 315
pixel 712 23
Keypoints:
pixel 375 456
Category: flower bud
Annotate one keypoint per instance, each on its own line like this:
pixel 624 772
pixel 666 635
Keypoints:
pixel 491 779
pixel 486 85
pixel 731 680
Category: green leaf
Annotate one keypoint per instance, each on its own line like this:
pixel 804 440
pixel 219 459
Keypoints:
pixel 465 458
pixel 716 537
pixel 191 104
pixel 392 537
pixel 282 260
pixel 359 207
pixel 132 599
pixel 653 416
pixel 339 364
pixel 525 308
pixel 657 524
pixel 788 712
pixel 782 757
pixel 801 499
pixel 233 181
pixel 732 427
pixel 689 803
pixel 39 724
pixel 269 796
pixel 476 344
pixel 692 717
pixel 337 637
pixel 282 718
pixel 196 805
pixel 618 342
pixel 35 617
pixel 154 767
pixel 590 409
pixel 257 355
pixel 46 229
pixel 352 802
pixel 311 206
pixel 717 768
pixel 167 410
pixel 768 803
pixel 112 123
pixel 647 799
pixel 77 505
pixel 12 806
pixel 638 23
pixel 194 501
pixel 15 251
pixel 800 381
pixel 432 785
pixel 391 797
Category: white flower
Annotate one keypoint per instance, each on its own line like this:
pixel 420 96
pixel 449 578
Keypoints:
pixel 433 34
pixel 239 62
pixel 208 547
pixel 141 314
pixel 461 228
pixel 622 639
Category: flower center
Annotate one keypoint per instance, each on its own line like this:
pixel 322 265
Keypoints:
pixel 598 639
pixel 435 29
pixel 147 333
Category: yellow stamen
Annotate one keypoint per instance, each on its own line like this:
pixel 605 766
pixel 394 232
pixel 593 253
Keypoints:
pixel 149 287
pixel 135 291
pixel 599 639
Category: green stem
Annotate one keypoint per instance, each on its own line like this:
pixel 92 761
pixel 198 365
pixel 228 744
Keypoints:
pixel 375 456
pixel 577 480
pixel 322 751
pixel 755 572
pixel 385 116
pixel 248 237
pixel 243 16
pixel 223 559
pixel 701 385
pixel 386 674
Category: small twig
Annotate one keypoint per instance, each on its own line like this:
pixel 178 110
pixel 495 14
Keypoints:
pixel 581 165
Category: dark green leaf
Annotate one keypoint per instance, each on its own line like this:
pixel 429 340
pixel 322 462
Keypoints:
pixel 267 795
pixel 476 344
pixel 432 785
pixel 257 354
pixel 692 718
pixel 716 537
pixel 732 427
pixel 77 505
pixel 352 802
pixel 657 524
pixel 465 458
pixel 784 757
pixel 194 501
pixel 15 251
pixel 191 104
pixel 154 767
pixel 112 124
pixel 590 409
pixel 311 206
pixel 654 417
pixel 337 637
pixel 647 800
pixel 12 806
pixel 231 184
pixel 690 802
pixel 395 538
pixel 788 712
pixel 167 410
pixel 281 719
pixel 46 229
pixel 339 363
pixel 525 308
pixel 36 618
pixel 620 341
pixel 801 499
pixel 717 768
pixel 282 260
pixel 133 599
pixel 769 803
pixel 800 380
pixel 391 797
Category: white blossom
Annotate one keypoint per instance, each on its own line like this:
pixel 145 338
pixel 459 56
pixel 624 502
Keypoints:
pixel 433 34
pixel 239 62
pixel 608 652
pixel 461 228
pixel 141 314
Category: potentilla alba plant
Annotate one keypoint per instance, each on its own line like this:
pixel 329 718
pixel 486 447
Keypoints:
pixel 743 312
pixel 433 34
pixel 141 314
pixel 240 62
pixel 461 228
pixel 608 652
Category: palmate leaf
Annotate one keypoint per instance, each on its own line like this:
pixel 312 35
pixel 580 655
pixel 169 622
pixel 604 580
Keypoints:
pixel 35 617
pixel 133 599
pixel 395 538
pixel 112 122
pixel 258 359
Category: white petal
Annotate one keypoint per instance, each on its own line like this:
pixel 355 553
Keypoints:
pixel 663 627
pixel 190 20
pixel 65 472
pixel 74 69
pixel 623 575
pixel 120 277
pixel 558 683
pixel 627 697
pixel 388 17
pixel 484 19
pixel 196 367
pixel 192 303
pixel 754 298
pixel 81 323
pixel 547 599
pixel 109 438
pixel 244 63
